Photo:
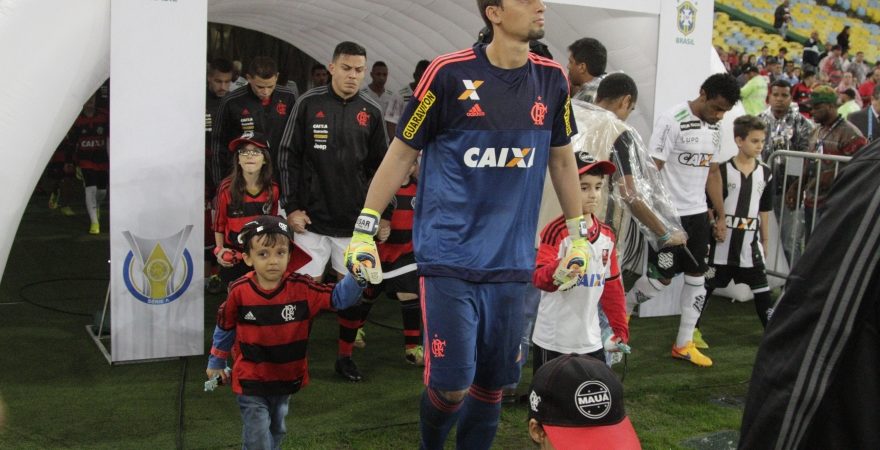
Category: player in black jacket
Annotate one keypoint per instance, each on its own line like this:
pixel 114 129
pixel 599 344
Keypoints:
pixel 816 381
pixel 332 145
pixel 260 107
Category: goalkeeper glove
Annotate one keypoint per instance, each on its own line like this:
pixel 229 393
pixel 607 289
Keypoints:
pixel 573 265
pixel 362 256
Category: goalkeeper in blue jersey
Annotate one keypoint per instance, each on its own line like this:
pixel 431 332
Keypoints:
pixel 490 120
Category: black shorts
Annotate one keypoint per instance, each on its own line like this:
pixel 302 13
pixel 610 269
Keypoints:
pixel 99 178
pixel 718 277
pixel 407 283
pixel 669 262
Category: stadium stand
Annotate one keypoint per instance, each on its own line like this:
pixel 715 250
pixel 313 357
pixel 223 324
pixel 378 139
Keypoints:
pixel 753 29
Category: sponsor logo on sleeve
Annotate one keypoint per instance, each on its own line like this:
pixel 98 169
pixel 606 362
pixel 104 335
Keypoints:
pixel 566 116
pixel 418 116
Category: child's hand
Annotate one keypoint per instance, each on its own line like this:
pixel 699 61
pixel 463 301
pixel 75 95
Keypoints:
pixel 218 373
pixel 384 230
pixel 227 261
pixel 720 230
pixel 677 238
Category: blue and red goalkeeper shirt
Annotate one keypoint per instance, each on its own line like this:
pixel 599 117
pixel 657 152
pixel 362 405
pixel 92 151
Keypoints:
pixel 486 135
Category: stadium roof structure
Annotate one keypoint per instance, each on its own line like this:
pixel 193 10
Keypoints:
pixel 49 79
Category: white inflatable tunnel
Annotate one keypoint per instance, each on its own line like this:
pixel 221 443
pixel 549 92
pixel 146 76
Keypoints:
pixel 56 53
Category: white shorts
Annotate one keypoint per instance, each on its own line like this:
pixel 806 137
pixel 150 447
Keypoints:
pixel 321 248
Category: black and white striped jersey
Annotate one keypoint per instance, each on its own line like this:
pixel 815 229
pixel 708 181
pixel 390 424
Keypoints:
pixel 744 197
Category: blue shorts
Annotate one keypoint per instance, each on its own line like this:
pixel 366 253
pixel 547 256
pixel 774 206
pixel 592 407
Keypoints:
pixel 472 332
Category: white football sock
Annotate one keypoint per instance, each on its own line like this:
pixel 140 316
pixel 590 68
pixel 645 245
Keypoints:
pixel 645 289
pixel 693 297
pixel 92 203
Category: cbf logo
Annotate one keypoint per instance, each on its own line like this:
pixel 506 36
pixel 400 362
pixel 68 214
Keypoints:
pixel 509 157
pixel 158 271
pixel 686 21
pixel 593 399
pixel 686 17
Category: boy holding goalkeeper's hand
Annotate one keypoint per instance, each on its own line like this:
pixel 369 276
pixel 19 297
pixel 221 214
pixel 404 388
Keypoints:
pixel 265 324
pixel 568 315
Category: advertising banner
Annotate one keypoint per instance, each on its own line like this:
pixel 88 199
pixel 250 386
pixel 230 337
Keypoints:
pixel 157 76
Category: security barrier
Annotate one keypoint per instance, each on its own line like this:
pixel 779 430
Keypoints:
pixel 795 176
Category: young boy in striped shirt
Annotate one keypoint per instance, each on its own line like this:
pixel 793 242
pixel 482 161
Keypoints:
pixel 265 323
pixel 739 254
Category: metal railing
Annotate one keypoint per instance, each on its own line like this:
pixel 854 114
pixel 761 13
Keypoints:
pixel 796 224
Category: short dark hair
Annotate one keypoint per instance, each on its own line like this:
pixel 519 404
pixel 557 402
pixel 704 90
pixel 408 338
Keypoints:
pixel 482 5
pixel 221 65
pixel 591 52
pixel 380 64
pixel 318 67
pixel 349 48
pixel 615 86
pixel 851 93
pixel 597 171
pixel 743 125
pixel 421 67
pixel 721 85
pixel 783 50
pixel 808 74
pixel 263 67
pixel 781 83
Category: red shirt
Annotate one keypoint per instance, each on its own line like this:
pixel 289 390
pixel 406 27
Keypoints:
pixel 399 242
pixel 87 141
pixel 229 221
pixel 271 332
pixel 612 299
pixel 866 90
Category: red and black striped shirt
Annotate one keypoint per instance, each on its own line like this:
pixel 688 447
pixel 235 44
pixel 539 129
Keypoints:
pixel 87 141
pixel 229 221
pixel 271 332
pixel 400 212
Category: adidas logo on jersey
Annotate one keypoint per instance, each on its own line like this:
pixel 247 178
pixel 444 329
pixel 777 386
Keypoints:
pixel 476 111
pixel 505 157
pixel 250 316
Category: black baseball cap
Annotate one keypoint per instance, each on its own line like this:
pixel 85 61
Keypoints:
pixel 586 161
pixel 264 225
pixel 258 139
pixel 579 403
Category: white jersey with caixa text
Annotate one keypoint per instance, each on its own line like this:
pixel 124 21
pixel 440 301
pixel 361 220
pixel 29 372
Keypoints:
pixel 687 145
pixel 745 197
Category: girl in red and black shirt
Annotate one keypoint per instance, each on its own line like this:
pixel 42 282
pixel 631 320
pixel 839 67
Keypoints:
pixel 248 192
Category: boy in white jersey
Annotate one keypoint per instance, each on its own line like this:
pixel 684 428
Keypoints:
pixel 568 321
pixel 740 254
pixel 684 143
